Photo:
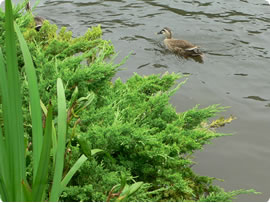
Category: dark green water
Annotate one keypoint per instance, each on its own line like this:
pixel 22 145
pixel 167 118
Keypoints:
pixel 235 36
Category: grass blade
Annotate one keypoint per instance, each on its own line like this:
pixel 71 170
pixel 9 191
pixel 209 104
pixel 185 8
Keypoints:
pixel 13 119
pixel 3 181
pixel 3 82
pixel 44 109
pixel 61 142
pixel 27 192
pixel 72 171
pixel 3 190
pixel 95 151
pixel 4 172
pixel 34 100
pixel 54 145
pixel 54 139
pixel 39 185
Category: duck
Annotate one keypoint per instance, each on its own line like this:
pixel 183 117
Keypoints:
pixel 38 20
pixel 177 46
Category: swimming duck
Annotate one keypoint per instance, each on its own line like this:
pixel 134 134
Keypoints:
pixel 177 46
pixel 38 20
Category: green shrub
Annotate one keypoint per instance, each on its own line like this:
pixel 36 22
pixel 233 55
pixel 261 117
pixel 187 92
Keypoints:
pixel 147 139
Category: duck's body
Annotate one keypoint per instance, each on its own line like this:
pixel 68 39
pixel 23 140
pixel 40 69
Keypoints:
pixel 38 20
pixel 177 46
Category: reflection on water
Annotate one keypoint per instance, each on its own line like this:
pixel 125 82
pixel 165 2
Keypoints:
pixel 257 98
pixel 234 36
pixel 241 74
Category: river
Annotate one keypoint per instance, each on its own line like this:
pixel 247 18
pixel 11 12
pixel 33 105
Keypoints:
pixel 235 37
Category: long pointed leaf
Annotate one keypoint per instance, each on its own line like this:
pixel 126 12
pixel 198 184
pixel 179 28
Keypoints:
pixel 72 171
pixel 3 81
pixel 27 192
pixel 61 142
pixel 54 144
pixel 43 108
pixel 95 151
pixel 13 119
pixel 4 170
pixel 42 173
pixel 54 139
pixel 34 100
pixel 3 189
pixel 3 181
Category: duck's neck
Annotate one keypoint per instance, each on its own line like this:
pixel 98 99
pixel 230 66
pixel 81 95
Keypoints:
pixel 169 36
pixel 28 7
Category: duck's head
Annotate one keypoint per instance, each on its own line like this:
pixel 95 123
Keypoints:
pixel 28 6
pixel 167 32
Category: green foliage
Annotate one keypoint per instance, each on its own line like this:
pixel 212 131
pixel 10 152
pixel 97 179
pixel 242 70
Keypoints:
pixel 223 196
pixel 125 190
pixel 143 133
pixel 14 184
pixel 79 62
pixel 12 171
pixel 138 147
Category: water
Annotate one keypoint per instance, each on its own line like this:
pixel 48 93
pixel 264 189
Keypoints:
pixel 235 37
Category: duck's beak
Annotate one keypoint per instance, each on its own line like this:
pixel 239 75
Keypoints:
pixel 159 33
